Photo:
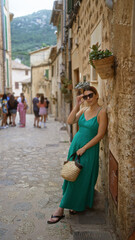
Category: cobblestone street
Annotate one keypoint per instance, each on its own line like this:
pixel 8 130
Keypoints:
pixel 30 182
pixel 30 188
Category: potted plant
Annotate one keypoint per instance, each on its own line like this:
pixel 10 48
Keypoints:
pixel 102 61
pixel 66 85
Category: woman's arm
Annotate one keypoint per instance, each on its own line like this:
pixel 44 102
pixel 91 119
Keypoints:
pixel 45 104
pixel 75 113
pixel 38 104
pixel 102 120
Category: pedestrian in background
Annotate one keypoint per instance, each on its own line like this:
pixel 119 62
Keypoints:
pixel 47 107
pixel 4 111
pixel 35 101
pixel 19 100
pixel 92 120
pixel 42 111
pixel 12 107
pixel 9 114
pixel 21 108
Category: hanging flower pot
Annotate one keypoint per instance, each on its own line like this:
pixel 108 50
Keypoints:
pixel 102 61
pixel 68 97
pixel 70 87
pixel 105 67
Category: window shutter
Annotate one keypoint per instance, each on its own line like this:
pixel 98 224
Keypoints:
pixel 6 35
pixel 70 6
pixel 47 73
pixel 7 68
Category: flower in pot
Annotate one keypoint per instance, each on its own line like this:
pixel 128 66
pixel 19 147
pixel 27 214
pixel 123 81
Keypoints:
pixel 102 61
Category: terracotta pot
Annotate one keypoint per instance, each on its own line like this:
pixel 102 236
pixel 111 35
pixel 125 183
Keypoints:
pixel 70 87
pixel 105 67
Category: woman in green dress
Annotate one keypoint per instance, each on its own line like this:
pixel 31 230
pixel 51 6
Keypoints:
pixel 92 122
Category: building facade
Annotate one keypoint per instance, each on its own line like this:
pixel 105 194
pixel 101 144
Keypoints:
pixel 20 73
pixel 112 24
pixel 41 72
pixel 5 48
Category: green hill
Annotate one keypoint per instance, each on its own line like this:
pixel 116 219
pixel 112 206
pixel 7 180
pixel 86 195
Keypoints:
pixel 31 32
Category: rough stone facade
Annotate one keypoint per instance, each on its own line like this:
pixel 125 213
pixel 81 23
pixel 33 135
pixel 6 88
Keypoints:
pixel 40 72
pixel 1 54
pixel 113 29
pixel 5 48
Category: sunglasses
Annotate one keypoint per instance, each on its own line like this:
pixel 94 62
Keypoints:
pixel 90 95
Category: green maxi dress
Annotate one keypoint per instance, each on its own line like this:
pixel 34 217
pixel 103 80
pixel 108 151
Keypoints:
pixel 79 194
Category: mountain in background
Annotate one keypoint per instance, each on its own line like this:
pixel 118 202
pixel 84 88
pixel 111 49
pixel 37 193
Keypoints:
pixel 31 32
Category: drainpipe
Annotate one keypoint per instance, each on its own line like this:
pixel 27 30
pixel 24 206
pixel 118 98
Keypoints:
pixel 4 47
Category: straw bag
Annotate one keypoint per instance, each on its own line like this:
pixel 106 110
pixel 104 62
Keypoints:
pixel 71 169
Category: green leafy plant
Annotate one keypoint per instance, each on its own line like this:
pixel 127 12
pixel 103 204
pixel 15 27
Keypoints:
pixel 65 83
pixel 97 53
pixel 82 85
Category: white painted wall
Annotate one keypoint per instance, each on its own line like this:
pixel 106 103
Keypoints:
pixel 17 76
pixel 40 57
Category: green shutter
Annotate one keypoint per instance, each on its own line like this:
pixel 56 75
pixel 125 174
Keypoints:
pixel 7 73
pixel 4 2
pixel 70 6
pixel 6 35
pixel 47 73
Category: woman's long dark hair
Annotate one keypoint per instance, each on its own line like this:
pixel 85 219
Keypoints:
pixel 22 98
pixel 4 96
pixel 42 99
pixel 11 100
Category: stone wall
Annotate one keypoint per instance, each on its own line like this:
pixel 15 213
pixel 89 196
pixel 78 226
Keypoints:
pixel 121 114
pixel 118 94
pixel 1 55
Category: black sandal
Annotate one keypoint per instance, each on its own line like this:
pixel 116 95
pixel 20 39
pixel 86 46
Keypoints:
pixel 59 218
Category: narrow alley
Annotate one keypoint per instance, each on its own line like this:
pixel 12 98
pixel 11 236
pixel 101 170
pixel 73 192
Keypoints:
pixel 30 188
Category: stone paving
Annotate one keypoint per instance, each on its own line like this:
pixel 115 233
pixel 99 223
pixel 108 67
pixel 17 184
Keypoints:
pixel 30 188
pixel 30 182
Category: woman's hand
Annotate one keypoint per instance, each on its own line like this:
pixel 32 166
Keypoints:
pixel 79 100
pixel 81 151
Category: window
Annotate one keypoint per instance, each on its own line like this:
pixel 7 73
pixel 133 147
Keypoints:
pixel 6 34
pixel 70 6
pixel 26 72
pixel 16 85
pixel 52 70
pixel 7 68
pixel 47 74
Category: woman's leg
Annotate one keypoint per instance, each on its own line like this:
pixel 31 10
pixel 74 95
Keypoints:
pixel 45 120
pixel 13 118
pixel 58 213
pixel 4 119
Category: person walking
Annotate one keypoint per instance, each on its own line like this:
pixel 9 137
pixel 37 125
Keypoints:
pixel 47 106
pixel 35 101
pixel 92 120
pixel 12 107
pixel 21 108
pixel 4 111
pixel 19 100
pixel 9 114
pixel 42 111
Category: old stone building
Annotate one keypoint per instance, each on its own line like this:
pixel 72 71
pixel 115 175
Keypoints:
pixel 59 63
pixel 41 72
pixel 83 23
pixel 5 48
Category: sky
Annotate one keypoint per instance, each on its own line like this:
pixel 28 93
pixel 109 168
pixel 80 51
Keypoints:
pixel 24 7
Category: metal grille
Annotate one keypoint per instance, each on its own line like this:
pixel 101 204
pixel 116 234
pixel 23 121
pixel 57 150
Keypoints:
pixel 93 235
